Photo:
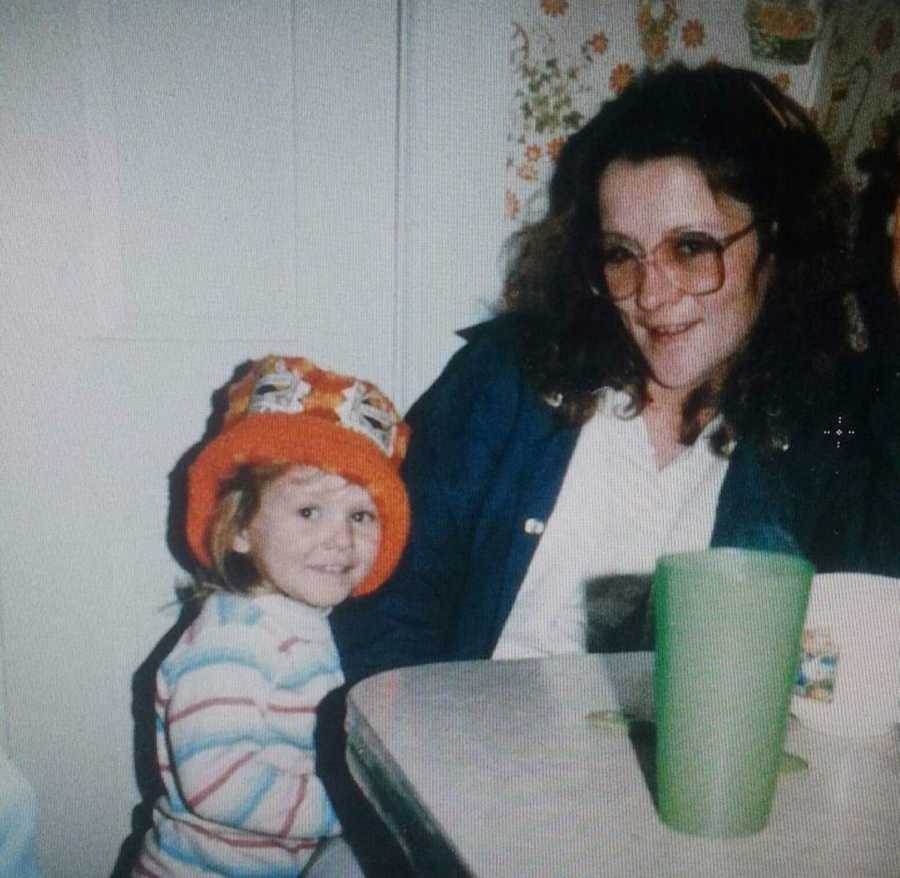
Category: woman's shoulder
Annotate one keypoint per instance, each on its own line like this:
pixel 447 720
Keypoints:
pixel 489 356
pixel 483 380
pixel 491 344
pixel 502 330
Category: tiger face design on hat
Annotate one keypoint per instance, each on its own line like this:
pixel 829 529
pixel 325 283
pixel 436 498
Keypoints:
pixel 288 410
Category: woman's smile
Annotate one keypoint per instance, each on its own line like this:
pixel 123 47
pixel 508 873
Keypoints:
pixel 665 331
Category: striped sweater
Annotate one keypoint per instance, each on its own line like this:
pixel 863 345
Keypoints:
pixel 235 718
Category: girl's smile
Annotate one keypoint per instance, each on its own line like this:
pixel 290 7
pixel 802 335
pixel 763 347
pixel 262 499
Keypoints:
pixel 314 537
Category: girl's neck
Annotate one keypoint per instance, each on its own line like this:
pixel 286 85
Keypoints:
pixel 263 589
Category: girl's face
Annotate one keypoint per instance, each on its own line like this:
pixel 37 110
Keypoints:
pixel 314 537
pixel 686 339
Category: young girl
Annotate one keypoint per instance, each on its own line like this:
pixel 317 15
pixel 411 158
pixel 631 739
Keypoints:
pixel 294 506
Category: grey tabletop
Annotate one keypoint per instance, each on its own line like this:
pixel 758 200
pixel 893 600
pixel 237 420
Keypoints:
pixel 501 768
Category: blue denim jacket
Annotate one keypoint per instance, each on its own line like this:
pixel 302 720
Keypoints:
pixel 487 460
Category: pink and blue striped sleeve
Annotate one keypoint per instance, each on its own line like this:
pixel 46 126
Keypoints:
pixel 238 705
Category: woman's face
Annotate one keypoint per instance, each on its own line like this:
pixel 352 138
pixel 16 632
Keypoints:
pixel 686 339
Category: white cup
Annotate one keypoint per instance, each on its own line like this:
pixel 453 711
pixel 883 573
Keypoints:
pixel 849 678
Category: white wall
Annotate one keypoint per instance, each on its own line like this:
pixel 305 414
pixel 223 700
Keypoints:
pixel 186 185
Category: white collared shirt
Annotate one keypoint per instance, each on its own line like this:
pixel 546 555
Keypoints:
pixel 616 514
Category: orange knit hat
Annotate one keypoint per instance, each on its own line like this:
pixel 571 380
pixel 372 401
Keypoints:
pixel 287 410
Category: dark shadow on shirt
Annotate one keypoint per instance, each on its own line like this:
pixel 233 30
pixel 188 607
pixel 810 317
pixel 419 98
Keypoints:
pixel 143 684
pixel 619 613
pixel 146 769
pixel 375 847
pixel 619 618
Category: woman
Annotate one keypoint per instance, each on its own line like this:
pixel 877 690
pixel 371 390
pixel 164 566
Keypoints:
pixel 668 374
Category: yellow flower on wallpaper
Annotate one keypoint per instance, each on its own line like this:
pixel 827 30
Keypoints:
pixel 693 34
pixel 620 77
pixel 527 170
pixel 554 147
pixel 654 22
pixel 511 205
pixel 599 43
pixel 655 45
pixel 555 7
pixel 654 14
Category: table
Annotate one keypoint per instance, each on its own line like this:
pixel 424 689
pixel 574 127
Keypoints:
pixel 492 769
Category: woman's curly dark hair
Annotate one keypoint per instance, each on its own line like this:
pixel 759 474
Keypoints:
pixel 877 297
pixel 753 143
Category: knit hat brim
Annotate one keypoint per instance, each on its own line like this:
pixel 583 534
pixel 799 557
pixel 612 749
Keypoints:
pixel 273 438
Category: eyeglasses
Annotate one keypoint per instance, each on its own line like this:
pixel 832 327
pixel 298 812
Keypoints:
pixel 691 260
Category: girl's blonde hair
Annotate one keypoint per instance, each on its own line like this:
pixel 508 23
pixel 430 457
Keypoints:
pixel 238 504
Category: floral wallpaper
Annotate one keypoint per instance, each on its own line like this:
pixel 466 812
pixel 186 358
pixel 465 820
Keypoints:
pixel 861 87
pixel 838 59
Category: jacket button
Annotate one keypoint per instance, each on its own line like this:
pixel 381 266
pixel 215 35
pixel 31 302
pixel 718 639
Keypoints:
pixel 534 526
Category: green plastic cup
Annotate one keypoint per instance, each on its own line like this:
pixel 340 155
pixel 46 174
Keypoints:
pixel 728 625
